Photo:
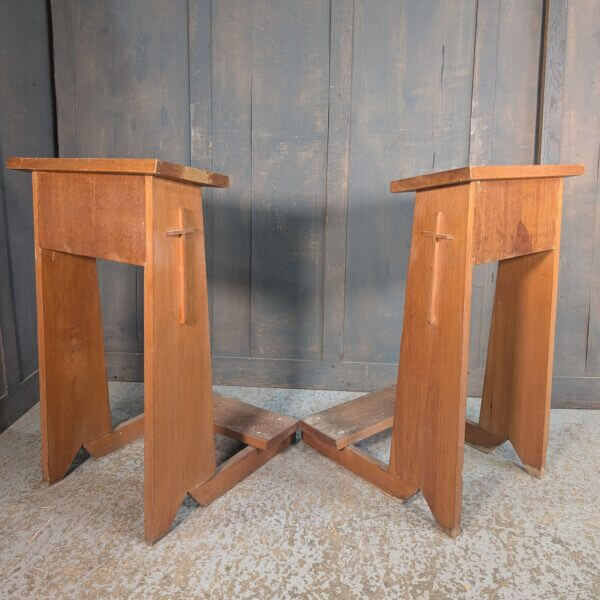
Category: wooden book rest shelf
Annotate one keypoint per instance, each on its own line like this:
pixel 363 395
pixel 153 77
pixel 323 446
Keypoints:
pixel 148 213
pixel 463 218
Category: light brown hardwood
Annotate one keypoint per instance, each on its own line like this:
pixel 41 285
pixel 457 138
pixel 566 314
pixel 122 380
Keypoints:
pixel 76 206
pixel 360 463
pixel 353 421
pixel 465 217
pixel 249 424
pixel 73 387
pixel 515 218
pixel 177 377
pixel 235 469
pixel 483 172
pixel 122 435
pixel 146 212
pixel 427 445
pixel 123 166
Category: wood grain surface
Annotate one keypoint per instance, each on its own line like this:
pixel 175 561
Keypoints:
pixel 352 421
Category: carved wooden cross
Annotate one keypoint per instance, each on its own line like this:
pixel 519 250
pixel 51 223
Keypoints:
pixel 182 233
pixel 437 237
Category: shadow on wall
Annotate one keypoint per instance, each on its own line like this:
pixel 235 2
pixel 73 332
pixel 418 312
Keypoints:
pixel 266 270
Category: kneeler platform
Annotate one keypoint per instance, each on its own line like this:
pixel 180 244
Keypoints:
pixel 144 212
pixel 463 217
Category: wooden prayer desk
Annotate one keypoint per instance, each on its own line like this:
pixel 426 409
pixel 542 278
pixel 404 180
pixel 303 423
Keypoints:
pixel 463 217
pixel 148 213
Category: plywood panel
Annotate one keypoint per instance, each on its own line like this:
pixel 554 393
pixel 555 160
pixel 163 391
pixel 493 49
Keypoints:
pixel 411 97
pixel 290 79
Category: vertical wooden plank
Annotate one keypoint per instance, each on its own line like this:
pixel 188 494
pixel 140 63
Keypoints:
pixel 3 386
pixel 129 96
pixel 578 324
pixel 411 91
pixel 480 153
pixel 429 417
pixel 554 46
pixel 178 422
pixel 73 387
pixel 200 76
pixel 10 356
pixel 26 127
pixel 232 154
pixel 338 162
pixel 289 146
pixel 518 377
pixel 71 349
pixel 64 77
pixel 505 104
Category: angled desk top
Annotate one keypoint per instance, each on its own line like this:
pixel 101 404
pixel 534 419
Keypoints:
pixel 478 173
pixel 126 166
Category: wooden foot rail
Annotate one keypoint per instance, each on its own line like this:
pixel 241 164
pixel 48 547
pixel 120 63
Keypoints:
pixel 366 467
pixel 236 469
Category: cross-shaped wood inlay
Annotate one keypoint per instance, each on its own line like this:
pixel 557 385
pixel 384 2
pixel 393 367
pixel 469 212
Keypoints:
pixel 437 238
pixel 182 233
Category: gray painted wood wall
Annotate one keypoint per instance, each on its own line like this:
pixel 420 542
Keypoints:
pixel 312 107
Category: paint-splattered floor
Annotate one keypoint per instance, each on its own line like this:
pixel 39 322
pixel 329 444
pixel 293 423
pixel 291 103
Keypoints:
pixel 302 527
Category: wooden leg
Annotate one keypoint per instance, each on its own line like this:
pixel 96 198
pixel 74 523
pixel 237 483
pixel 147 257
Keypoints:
pixel 179 448
pixel 518 377
pixel 73 385
pixel 429 420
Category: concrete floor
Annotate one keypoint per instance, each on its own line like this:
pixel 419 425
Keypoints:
pixel 302 527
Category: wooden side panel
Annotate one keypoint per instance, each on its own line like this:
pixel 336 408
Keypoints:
pixel 518 380
pixel 73 387
pixel 179 439
pixel 85 214
pixel 290 93
pixel 429 420
pixel 514 218
pixel 411 105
